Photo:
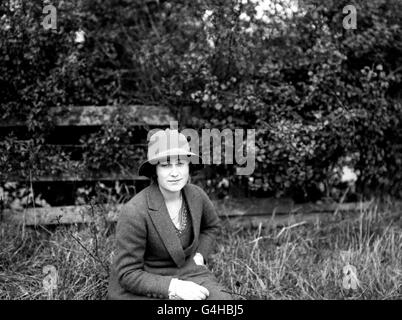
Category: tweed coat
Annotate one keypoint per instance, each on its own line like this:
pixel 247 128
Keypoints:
pixel 149 252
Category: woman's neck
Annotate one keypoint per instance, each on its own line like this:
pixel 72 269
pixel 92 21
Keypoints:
pixel 170 196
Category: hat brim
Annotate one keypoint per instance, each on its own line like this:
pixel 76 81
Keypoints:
pixel 147 167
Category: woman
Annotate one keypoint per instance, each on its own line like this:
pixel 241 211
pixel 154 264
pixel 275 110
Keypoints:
pixel 165 233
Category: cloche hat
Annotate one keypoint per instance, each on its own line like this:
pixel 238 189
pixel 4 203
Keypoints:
pixel 167 144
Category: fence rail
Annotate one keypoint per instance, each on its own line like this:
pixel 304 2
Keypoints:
pixel 262 209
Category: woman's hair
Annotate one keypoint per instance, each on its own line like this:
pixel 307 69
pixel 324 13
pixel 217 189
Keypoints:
pixel 153 176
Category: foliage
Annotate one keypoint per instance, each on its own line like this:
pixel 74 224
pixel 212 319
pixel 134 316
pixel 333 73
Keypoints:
pixel 315 93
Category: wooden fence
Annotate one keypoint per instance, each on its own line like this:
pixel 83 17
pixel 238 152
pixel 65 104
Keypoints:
pixel 70 119
pixel 254 210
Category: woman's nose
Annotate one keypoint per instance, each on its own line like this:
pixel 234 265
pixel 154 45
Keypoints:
pixel 174 171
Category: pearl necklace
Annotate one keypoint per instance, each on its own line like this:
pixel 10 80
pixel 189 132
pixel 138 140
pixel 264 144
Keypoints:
pixel 176 219
pixel 180 220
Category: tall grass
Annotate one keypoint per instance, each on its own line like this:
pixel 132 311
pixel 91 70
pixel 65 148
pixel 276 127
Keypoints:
pixel 307 262
pixel 303 261
pixel 80 275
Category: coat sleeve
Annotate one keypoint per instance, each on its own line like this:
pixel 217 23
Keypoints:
pixel 210 226
pixel 131 237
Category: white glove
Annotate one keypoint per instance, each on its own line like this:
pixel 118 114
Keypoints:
pixel 199 259
pixel 187 290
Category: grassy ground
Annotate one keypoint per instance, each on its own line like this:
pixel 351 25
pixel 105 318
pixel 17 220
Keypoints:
pixel 302 262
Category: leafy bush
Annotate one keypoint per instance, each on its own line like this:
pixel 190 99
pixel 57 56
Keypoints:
pixel 315 93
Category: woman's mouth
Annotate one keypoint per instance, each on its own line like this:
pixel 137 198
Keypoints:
pixel 174 181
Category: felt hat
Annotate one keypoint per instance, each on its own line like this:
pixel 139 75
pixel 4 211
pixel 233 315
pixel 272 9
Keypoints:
pixel 167 145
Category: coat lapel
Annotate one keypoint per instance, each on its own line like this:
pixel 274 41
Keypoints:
pixel 165 228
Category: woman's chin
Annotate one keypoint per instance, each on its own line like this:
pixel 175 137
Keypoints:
pixel 174 187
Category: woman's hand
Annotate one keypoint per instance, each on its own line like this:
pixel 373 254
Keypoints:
pixel 187 290
pixel 199 259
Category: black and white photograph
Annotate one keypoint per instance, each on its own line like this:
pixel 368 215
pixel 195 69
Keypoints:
pixel 224 150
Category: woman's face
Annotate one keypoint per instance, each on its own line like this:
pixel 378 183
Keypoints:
pixel 173 174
